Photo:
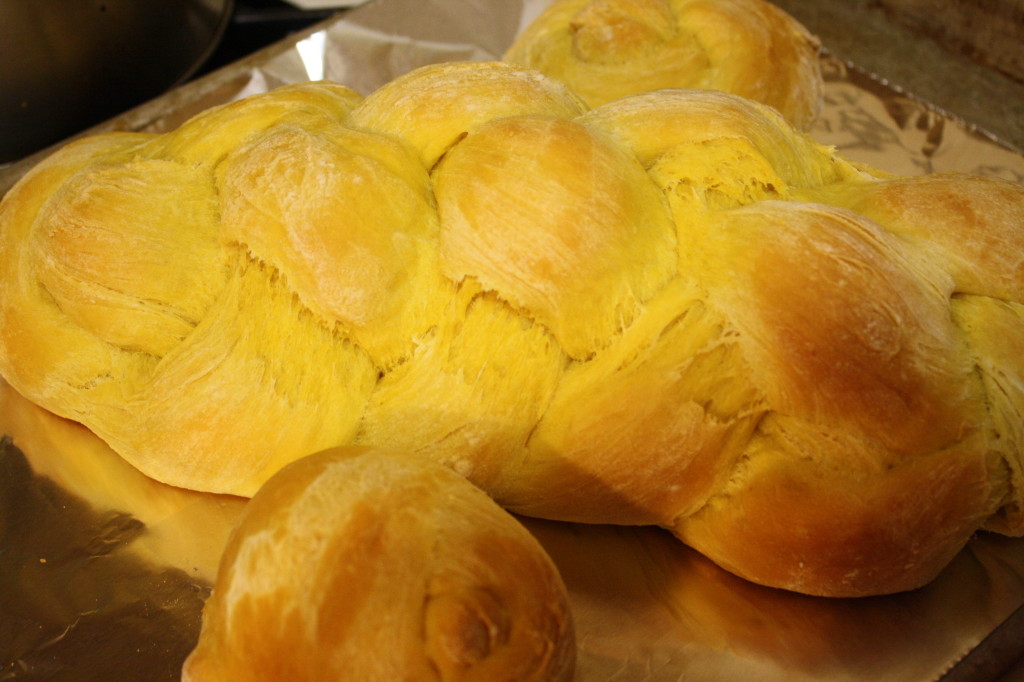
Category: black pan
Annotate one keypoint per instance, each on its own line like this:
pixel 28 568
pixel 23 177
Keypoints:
pixel 66 65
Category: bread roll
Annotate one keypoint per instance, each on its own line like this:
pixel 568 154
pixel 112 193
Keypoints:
pixel 672 309
pixel 607 49
pixel 363 564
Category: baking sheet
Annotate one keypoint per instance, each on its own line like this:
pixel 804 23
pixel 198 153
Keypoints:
pixel 103 571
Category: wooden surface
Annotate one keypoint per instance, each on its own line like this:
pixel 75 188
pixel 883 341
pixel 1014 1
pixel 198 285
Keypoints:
pixel 990 31
pixel 888 43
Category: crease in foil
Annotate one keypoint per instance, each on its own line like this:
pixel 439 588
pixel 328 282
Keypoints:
pixel 103 572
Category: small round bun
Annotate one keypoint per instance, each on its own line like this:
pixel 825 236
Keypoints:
pixel 369 564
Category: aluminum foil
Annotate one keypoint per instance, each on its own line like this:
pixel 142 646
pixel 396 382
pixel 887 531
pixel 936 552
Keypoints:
pixel 103 571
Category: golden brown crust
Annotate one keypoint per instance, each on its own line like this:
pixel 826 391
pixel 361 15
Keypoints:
pixel 584 266
pixel 608 49
pixel 968 224
pixel 805 525
pixel 671 309
pixel 434 106
pixel 369 564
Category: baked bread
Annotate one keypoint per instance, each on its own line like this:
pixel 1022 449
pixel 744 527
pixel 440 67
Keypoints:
pixel 607 49
pixel 363 564
pixel 672 309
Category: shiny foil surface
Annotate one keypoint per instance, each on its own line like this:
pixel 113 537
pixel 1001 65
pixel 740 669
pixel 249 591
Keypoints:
pixel 104 572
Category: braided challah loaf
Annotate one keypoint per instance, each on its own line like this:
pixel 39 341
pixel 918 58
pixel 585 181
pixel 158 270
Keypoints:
pixel 607 49
pixel 671 309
